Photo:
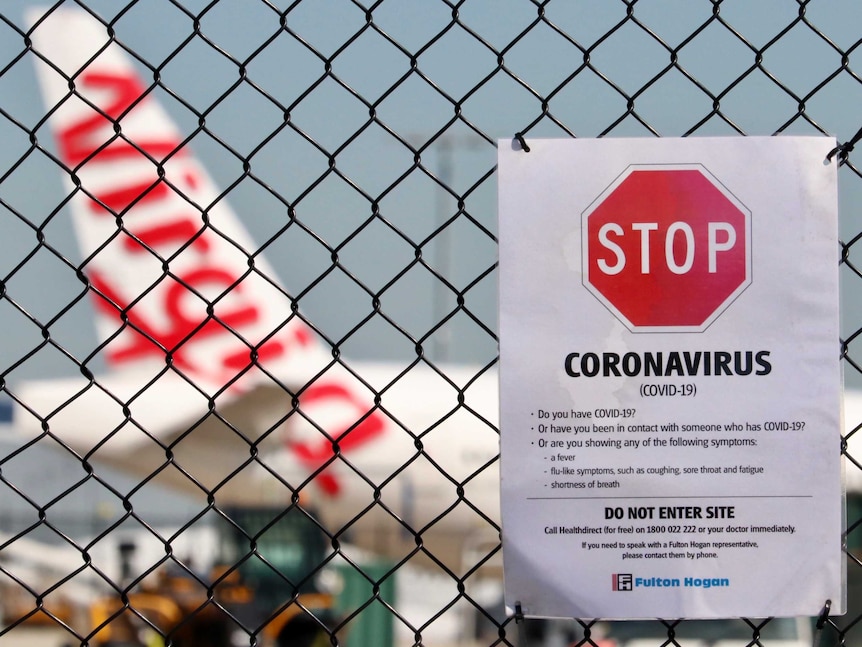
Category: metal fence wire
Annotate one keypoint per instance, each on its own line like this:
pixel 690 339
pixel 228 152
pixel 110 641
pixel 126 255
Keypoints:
pixel 195 401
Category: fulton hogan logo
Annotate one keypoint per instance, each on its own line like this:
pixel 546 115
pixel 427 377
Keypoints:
pixel 628 582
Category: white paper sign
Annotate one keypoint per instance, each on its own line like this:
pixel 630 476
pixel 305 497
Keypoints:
pixel 670 379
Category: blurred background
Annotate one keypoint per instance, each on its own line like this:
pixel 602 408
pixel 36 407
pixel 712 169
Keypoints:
pixel 356 141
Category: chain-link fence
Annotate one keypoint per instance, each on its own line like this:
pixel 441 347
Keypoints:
pixel 249 296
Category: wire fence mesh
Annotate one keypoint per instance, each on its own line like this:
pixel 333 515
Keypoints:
pixel 217 382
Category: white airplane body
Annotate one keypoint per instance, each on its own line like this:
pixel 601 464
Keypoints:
pixel 216 384
pixel 852 426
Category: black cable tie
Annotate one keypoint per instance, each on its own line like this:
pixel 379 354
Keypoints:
pixel 844 150
pixel 821 622
pixel 519 137
pixel 824 615
pixel 523 639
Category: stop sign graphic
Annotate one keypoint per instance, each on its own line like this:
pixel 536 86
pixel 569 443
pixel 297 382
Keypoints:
pixel 666 248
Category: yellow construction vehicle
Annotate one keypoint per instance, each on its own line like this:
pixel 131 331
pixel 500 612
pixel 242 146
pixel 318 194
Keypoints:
pixel 263 591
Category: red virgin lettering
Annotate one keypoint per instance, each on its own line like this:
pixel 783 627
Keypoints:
pixel 294 334
pixel 183 327
pixel 201 296
pixel 94 137
pixel 302 335
pixel 181 330
pixel 315 456
pixel 121 199
pixel 180 231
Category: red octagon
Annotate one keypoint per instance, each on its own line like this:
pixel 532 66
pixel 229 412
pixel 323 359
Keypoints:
pixel 666 248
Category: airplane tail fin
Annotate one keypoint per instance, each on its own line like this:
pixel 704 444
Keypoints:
pixel 175 277
pixel 189 312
